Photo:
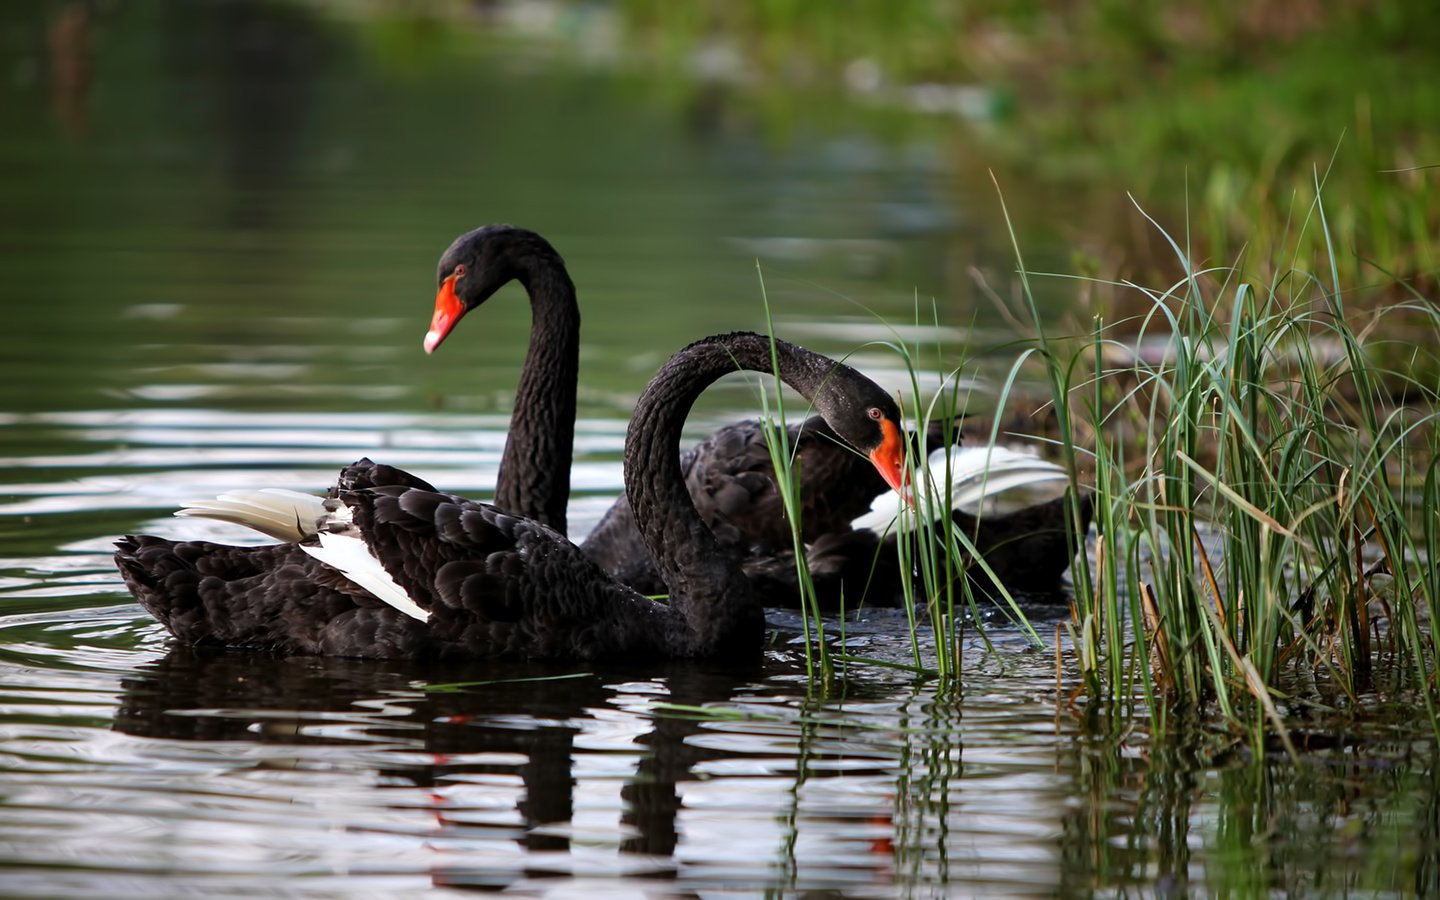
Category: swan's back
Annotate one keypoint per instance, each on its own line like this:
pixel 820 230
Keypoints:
pixel 491 584
pixel 497 584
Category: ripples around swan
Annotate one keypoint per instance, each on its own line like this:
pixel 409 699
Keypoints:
pixel 132 767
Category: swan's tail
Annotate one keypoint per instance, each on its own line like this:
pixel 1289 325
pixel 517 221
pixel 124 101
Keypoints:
pixel 181 583
pixel 268 597
pixel 977 476
pixel 288 516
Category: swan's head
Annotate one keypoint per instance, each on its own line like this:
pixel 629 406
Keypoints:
pixel 868 419
pixel 477 265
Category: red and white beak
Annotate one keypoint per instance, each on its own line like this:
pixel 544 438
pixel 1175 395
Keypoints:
pixel 448 310
pixel 889 459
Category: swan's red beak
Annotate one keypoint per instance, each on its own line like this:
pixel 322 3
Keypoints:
pixel 448 310
pixel 889 458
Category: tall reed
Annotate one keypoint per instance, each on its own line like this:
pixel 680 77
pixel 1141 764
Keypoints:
pixel 787 482
pixel 1254 478
pixel 940 598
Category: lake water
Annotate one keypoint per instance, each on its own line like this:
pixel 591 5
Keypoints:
pixel 217 248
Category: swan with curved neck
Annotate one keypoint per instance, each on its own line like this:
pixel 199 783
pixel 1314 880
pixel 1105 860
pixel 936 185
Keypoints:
pixel 397 569
pixel 534 475
pixel 729 475
pixel 534 471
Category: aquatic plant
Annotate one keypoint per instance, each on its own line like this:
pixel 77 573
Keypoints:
pixel 777 442
pixel 1263 461
pixel 948 572
pixel 1266 489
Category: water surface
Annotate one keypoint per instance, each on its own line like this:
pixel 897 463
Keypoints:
pixel 217 251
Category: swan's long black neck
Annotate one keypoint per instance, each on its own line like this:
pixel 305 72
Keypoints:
pixel 534 476
pixel 707 589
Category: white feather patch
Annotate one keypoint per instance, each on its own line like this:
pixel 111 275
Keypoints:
pixel 977 476
pixel 288 516
pixel 352 558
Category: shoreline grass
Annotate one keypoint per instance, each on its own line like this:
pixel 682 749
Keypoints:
pixel 1346 85
pixel 928 542
pixel 1265 489
pixel 783 462
pixel 1308 481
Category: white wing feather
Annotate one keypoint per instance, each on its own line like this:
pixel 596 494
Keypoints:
pixel 977 476
pixel 349 556
pixel 292 517
pixel 288 516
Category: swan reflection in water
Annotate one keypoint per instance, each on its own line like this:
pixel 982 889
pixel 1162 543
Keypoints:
pixel 457 773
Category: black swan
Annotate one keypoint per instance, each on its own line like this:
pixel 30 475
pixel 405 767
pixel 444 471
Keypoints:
pixel 729 475
pixel 396 569
pixel 534 476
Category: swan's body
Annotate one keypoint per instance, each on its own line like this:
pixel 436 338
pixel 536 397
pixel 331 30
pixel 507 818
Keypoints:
pixel 729 475
pixel 395 568
pixel 849 516
pixel 731 479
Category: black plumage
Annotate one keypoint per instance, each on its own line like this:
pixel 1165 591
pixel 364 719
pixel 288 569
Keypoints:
pixel 732 481
pixel 493 583
pixel 729 475
pixel 271 597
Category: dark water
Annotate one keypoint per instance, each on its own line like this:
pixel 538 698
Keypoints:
pixel 219 228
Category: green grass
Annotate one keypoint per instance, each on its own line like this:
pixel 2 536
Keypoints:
pixel 1252 476
pixel 782 459
pixel 1228 103
pixel 1265 492
pixel 941 599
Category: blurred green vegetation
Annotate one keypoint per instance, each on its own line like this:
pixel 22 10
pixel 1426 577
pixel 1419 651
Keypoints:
pixel 1220 118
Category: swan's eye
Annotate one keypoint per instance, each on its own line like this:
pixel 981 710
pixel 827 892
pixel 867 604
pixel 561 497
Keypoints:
pixel 460 271
pixel 876 414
